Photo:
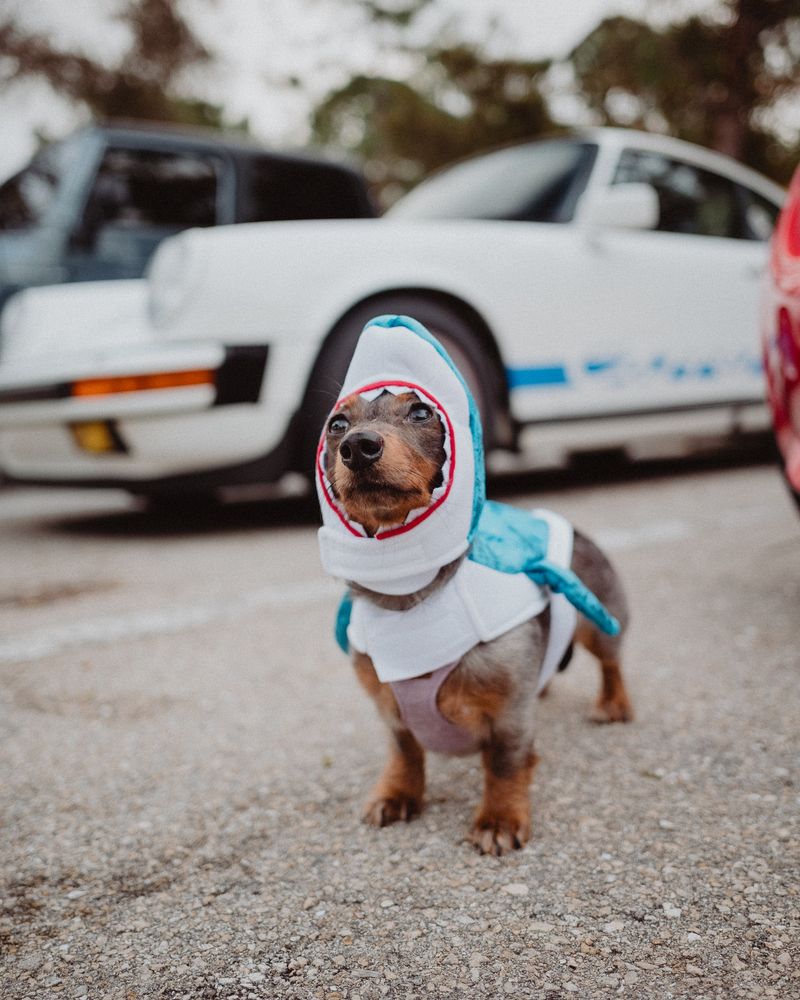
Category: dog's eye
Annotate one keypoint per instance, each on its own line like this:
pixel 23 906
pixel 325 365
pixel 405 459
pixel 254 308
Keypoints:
pixel 338 424
pixel 420 413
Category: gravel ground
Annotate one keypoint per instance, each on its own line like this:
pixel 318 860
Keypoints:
pixel 180 808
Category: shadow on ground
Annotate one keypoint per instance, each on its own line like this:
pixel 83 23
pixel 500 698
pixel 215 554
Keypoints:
pixel 183 517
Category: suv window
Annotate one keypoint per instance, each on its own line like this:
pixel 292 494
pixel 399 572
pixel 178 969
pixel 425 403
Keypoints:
pixel 138 189
pixel 692 200
pixel 276 189
pixel 26 197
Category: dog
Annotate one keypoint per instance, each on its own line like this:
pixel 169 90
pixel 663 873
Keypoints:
pixel 384 457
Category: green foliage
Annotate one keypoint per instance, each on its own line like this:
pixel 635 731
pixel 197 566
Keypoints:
pixel 707 81
pixel 457 104
pixel 143 86
pixel 712 80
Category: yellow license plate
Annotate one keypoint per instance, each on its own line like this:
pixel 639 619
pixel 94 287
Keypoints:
pixel 96 436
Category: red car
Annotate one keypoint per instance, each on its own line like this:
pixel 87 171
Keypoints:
pixel 780 334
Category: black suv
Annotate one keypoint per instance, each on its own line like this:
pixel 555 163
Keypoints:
pixel 96 205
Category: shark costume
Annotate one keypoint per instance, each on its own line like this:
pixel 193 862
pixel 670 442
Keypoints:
pixel 517 561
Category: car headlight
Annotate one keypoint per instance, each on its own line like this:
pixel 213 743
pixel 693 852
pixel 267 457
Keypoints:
pixel 169 279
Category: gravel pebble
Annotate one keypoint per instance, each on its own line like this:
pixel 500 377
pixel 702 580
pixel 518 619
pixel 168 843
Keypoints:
pixel 516 889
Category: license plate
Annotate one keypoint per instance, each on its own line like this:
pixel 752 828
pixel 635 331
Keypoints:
pixel 99 437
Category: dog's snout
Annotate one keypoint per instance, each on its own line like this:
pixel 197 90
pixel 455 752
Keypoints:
pixel 361 449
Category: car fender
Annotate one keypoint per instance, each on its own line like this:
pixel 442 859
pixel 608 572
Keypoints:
pixel 287 284
pixel 41 326
pixel 338 267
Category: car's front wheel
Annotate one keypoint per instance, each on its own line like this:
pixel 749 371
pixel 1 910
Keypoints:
pixel 192 502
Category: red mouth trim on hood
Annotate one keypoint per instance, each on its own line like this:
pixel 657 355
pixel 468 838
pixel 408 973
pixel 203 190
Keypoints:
pixel 450 441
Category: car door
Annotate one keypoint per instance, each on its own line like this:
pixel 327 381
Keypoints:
pixel 35 206
pixel 139 196
pixel 675 305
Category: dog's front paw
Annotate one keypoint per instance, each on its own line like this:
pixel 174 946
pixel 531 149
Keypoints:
pixel 385 809
pixel 497 835
pixel 616 709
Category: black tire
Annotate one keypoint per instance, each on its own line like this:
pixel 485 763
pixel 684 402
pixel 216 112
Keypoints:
pixel 453 332
pixel 185 502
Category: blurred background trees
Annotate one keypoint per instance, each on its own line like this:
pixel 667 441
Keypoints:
pixel 718 78
pixel 145 84
pixel 713 82
pixel 457 103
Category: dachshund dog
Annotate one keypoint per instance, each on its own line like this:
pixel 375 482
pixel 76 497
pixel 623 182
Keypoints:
pixel 383 457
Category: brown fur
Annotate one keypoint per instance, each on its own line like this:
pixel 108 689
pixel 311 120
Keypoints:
pixel 503 821
pixel 493 690
pixel 613 704
pixel 399 791
pixel 402 481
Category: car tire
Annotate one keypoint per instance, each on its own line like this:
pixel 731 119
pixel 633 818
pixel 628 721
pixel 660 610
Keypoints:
pixel 185 501
pixel 450 329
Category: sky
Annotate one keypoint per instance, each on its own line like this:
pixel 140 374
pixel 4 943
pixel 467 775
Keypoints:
pixel 260 44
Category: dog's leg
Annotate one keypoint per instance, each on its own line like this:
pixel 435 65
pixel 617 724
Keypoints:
pixel 613 703
pixel 592 566
pixel 503 820
pixel 400 789
pixel 492 694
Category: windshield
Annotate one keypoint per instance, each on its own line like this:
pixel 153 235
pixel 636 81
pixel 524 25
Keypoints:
pixel 537 182
pixel 26 197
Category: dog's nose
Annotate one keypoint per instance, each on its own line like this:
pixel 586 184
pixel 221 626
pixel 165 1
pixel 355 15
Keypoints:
pixel 361 449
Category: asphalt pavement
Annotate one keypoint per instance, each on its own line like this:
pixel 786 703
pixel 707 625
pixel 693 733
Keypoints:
pixel 185 753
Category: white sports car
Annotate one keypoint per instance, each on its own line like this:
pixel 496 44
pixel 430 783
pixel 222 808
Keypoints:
pixel 593 289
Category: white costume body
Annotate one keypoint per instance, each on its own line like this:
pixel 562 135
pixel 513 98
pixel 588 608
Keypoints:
pixel 477 605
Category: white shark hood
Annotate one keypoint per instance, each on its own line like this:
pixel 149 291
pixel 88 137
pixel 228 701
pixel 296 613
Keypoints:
pixel 396 354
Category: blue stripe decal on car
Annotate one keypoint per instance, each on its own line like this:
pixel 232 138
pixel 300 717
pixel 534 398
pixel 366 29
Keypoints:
pixel 545 376
pixel 597 366
pixel 619 371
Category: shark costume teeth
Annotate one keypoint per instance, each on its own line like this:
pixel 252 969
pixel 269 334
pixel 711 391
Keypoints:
pixel 518 560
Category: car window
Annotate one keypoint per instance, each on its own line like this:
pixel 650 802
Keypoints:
pixel 537 182
pixel 276 189
pixel 26 197
pixel 691 200
pixel 760 215
pixel 138 188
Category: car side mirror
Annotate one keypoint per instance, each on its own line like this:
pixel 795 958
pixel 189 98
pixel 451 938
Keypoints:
pixel 623 206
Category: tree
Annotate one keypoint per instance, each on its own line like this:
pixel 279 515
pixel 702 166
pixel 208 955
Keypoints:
pixel 145 85
pixel 457 103
pixel 713 80
pixel 710 81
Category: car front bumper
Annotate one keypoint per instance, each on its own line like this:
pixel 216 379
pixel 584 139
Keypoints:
pixel 156 413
